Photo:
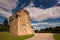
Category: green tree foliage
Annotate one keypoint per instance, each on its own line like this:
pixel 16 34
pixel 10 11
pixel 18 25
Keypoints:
pixel 36 31
pixel 51 30
pixel 1 27
pixel 6 25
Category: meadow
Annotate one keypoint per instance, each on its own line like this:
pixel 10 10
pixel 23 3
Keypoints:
pixel 57 36
pixel 6 36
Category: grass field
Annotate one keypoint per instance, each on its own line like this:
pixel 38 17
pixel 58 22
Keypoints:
pixel 57 36
pixel 6 36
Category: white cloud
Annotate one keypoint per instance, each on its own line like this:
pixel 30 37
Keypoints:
pixel 45 23
pixel 58 1
pixel 5 14
pixel 42 23
pixel 7 5
pixel 42 14
pixel 31 4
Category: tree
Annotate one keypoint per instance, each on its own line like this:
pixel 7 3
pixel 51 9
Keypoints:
pixel 1 27
pixel 6 25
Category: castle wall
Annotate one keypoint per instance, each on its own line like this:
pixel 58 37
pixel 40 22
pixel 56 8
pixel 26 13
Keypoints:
pixel 21 24
pixel 13 27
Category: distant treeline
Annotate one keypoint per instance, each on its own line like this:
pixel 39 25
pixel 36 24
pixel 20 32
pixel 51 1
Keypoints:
pixel 4 26
pixel 49 30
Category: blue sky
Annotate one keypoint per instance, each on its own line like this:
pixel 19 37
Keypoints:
pixel 44 13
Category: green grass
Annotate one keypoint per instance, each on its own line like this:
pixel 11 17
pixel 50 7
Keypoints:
pixel 57 36
pixel 6 36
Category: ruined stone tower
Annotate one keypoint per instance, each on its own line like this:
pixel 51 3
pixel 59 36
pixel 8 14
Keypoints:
pixel 20 23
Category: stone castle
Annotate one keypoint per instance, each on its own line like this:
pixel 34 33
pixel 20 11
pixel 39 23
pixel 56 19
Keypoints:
pixel 20 23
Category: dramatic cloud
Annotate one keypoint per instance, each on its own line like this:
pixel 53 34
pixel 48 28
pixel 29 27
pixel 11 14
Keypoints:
pixel 6 7
pixel 58 1
pixel 45 25
pixel 43 14
pixel 39 10
pixel 5 13
pixel 38 14
pixel 8 4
